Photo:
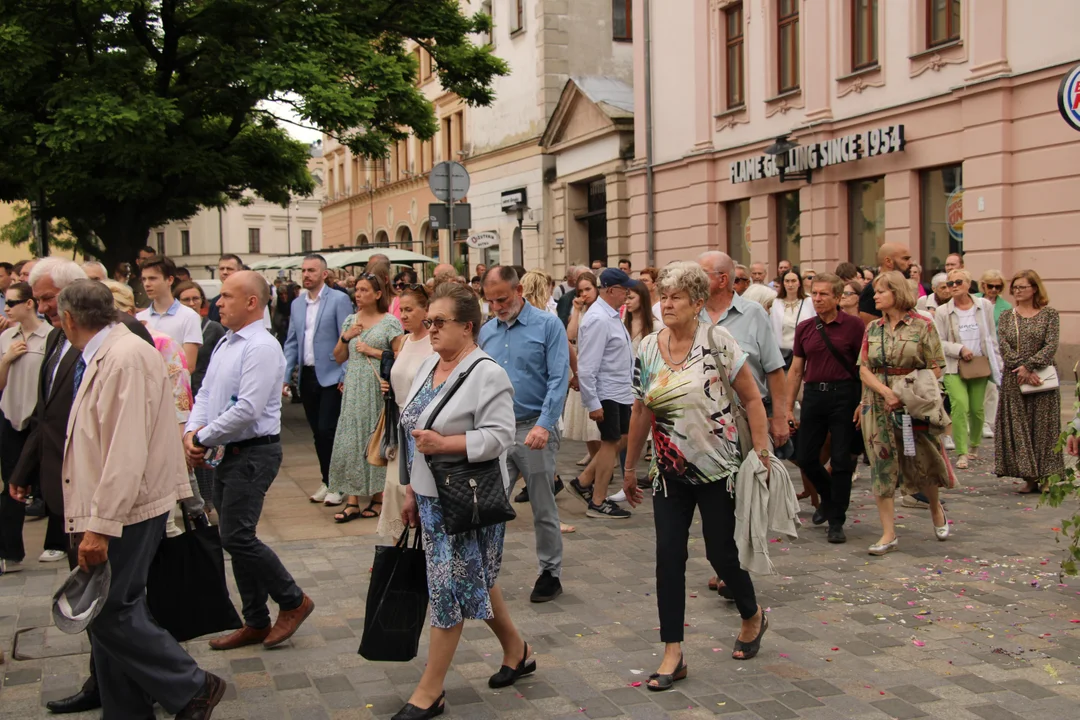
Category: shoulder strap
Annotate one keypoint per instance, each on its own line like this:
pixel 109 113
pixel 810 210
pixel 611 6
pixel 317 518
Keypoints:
pixel 832 349
pixel 453 389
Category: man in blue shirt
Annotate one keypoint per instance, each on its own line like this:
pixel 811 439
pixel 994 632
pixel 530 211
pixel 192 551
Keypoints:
pixel 531 346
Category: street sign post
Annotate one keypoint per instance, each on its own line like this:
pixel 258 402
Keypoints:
pixel 439 216
pixel 449 182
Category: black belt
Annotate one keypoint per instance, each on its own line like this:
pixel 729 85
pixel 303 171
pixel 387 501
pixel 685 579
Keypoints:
pixel 252 442
pixel 832 386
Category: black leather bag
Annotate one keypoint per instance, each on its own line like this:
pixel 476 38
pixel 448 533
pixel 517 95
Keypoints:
pixel 397 602
pixel 472 495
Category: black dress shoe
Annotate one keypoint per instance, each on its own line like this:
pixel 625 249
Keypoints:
pixel 547 588
pixel 819 516
pixel 523 496
pixel 559 486
pixel 836 534
pixel 411 712
pixel 79 702
pixel 201 707
pixel 507 675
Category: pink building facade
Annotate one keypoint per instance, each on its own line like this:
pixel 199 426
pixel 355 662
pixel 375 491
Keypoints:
pixel 932 123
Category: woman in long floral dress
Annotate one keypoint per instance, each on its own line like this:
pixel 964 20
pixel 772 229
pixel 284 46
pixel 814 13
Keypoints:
pixel 894 345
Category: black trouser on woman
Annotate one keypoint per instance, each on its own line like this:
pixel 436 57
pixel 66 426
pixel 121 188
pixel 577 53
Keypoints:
pixel 13 512
pixel 673 513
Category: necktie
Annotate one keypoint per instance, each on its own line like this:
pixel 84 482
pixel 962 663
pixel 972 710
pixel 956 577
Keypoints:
pixel 80 367
pixel 50 368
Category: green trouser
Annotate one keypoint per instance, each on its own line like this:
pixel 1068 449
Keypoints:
pixel 967 399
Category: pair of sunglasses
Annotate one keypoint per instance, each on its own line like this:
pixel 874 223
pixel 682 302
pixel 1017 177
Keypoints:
pixel 955 283
pixel 994 286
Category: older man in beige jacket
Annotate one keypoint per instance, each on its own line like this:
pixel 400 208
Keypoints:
pixel 123 471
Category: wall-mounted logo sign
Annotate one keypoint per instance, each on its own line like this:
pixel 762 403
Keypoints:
pixel 514 199
pixel 954 214
pixel 1069 98
pixel 483 240
pixel 844 149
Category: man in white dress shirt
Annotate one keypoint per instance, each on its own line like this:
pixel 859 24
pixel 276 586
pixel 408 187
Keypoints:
pixel 166 314
pixel 605 376
pixel 239 406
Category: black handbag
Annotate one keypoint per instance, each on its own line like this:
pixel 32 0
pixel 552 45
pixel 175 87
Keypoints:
pixel 397 602
pixel 186 589
pixel 472 495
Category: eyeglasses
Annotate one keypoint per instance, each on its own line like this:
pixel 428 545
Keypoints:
pixel 13 303
pixel 438 323
pixel 994 286
pixel 849 293
pixel 742 280
pixel 1020 287
pixel 955 283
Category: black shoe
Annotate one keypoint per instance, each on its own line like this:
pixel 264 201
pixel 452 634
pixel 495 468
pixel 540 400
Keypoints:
pixel 585 493
pixel 836 534
pixel 547 588
pixel 35 508
pixel 201 707
pixel 559 487
pixel 523 496
pixel 79 702
pixel 507 675
pixel 665 682
pixel 750 649
pixel 819 516
pixel 607 510
pixel 411 712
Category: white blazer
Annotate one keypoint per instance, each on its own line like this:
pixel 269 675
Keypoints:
pixel 482 410
pixel 777 314
pixel 948 327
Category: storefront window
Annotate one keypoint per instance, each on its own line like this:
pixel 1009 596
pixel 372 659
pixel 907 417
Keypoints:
pixel 942 215
pixel 738 231
pixel 787 227
pixel 866 202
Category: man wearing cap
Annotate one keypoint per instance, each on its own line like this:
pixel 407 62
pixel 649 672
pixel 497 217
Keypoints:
pixel 605 376
pixel 123 472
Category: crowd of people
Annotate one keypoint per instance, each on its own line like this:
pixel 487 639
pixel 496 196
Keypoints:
pixel 707 372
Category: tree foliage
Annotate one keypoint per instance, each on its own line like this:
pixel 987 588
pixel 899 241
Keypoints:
pixel 131 113
pixel 1065 488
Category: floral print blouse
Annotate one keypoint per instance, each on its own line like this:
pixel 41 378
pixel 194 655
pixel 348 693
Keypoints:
pixel 179 376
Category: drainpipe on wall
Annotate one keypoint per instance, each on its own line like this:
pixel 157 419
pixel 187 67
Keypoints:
pixel 650 205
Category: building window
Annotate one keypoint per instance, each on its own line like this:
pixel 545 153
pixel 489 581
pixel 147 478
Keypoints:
pixel 864 31
pixel 488 9
pixel 942 22
pixel 595 219
pixel 517 15
pixel 738 231
pixel 447 127
pixel 733 23
pixel 942 216
pixel 788 236
pixel 866 203
pixel 788 34
pixel 254 241
pixel 622 23
pixel 185 242
pixel 305 241
pixel 431 243
pixel 161 243
pixel 459 135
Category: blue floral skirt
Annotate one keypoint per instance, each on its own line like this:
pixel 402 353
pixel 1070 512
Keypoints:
pixel 461 569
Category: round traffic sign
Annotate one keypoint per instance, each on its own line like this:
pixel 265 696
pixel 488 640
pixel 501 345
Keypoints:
pixel 449 181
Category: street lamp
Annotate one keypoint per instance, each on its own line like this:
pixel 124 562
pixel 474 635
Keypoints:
pixel 781 152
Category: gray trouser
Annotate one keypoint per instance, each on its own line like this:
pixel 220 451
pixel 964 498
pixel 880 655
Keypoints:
pixel 136 662
pixel 538 469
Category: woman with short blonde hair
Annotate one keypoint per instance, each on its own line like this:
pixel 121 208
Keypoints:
pixel 535 289
pixel 991 285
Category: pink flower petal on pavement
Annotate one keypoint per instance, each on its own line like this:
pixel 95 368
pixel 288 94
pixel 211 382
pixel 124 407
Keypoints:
pixel 918 643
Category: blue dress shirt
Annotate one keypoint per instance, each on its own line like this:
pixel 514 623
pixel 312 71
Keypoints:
pixel 533 350
pixel 605 358
pixel 240 397
pixel 751 327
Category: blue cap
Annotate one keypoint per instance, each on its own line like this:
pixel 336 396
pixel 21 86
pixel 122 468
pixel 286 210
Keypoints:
pixel 613 277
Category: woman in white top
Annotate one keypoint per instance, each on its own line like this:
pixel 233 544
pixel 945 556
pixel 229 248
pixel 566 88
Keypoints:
pixel 789 309
pixel 969 339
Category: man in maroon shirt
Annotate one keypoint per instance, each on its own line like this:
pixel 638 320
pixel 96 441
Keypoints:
pixel 825 354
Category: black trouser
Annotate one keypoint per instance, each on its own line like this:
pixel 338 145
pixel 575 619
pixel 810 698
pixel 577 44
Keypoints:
pixel 826 412
pixel 91 683
pixel 322 405
pixel 13 512
pixel 673 513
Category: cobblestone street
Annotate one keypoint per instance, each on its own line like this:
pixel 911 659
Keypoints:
pixel 978 627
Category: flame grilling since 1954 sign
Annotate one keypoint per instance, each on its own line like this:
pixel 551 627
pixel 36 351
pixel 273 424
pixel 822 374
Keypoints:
pixel 844 149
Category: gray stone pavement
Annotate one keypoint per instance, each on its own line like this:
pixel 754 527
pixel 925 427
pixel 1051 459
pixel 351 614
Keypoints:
pixel 976 628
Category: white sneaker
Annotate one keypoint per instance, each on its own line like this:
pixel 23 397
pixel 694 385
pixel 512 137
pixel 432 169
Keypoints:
pixel 988 432
pixel 52 556
pixel 333 499
pixel 618 497
pixel 320 494
pixel 949 444
pixel 9 566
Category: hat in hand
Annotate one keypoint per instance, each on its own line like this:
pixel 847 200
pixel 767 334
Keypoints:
pixel 613 277
pixel 80 598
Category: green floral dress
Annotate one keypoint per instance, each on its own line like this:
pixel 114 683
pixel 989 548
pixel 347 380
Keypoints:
pixel 913 345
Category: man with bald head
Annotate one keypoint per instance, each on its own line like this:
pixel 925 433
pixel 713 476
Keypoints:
pixel 239 407
pixel 444 273
pixel 95 271
pixel 756 290
pixel 890 256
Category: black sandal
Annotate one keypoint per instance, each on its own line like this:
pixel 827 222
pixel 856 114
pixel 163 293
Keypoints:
pixel 369 512
pixel 507 675
pixel 666 681
pixel 750 649
pixel 345 516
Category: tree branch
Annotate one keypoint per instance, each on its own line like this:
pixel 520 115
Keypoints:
pixel 138 29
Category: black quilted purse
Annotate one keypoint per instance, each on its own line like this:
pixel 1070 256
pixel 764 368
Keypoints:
pixel 472 495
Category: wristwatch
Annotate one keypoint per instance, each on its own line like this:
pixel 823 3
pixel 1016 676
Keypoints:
pixel 343 340
pixel 196 442
pixel 764 454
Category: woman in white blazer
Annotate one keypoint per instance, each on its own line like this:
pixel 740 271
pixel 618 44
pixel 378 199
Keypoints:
pixel 477 422
pixel 967 330
pixel 790 308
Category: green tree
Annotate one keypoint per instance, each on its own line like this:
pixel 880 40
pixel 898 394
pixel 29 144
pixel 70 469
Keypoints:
pixel 126 114
pixel 17 232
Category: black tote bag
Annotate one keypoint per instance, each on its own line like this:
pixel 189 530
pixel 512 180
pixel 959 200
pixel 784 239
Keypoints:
pixel 186 589
pixel 397 602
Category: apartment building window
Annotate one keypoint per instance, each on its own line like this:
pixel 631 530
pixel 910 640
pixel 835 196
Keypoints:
pixel 738 231
pixel 942 22
pixel 733 23
pixel 788 35
pixel 161 243
pixel 459 135
pixel 788 235
pixel 866 202
pixel 864 30
pixel 425 65
pixel 488 9
pixel 621 19
pixel 185 242
pixel 942 195
pixel 447 126
pixel 305 241
pixel 418 57
pixel 254 241
pixel 517 16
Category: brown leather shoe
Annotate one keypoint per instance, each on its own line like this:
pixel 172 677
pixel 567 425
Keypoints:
pixel 239 638
pixel 201 707
pixel 288 622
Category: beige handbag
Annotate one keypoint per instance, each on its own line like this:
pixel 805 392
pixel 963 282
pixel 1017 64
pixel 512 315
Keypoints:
pixel 1048 375
pixel 975 368
pixel 921 394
